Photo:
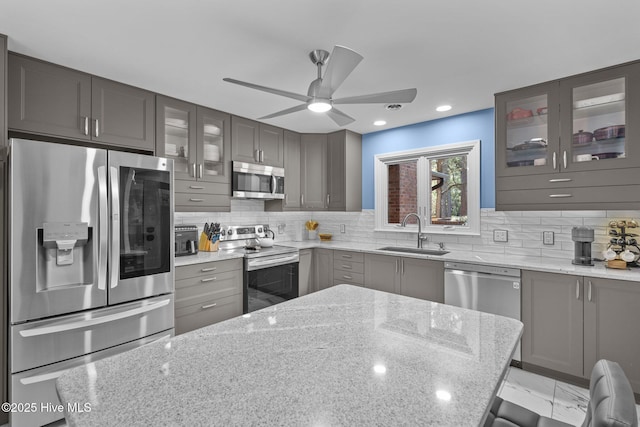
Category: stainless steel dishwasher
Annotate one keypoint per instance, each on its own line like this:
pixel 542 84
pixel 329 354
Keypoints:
pixel 484 288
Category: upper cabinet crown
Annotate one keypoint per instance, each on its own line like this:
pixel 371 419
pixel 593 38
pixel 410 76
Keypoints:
pixel 255 142
pixel 562 140
pixel 51 100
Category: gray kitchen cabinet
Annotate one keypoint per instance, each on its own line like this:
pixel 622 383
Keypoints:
pixel 344 175
pixel 197 139
pixel 382 272
pixel 611 319
pixel 348 268
pixel 323 268
pixel 3 94
pixel 51 100
pixel 291 201
pixel 413 277
pixel 552 313
pixel 305 281
pixel 207 293
pixel 570 143
pixel 422 278
pixel 4 416
pixel 313 172
pixel 255 142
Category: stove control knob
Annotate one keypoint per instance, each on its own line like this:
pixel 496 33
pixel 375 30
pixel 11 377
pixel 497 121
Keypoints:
pixel 259 229
pixel 230 232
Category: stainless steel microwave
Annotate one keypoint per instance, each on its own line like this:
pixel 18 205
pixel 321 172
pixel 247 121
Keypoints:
pixel 253 181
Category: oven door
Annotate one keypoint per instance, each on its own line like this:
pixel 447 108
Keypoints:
pixel 269 286
pixel 252 181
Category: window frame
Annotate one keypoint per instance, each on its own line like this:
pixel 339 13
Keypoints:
pixel 381 180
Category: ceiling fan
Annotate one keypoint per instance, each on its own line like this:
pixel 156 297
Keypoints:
pixel 342 62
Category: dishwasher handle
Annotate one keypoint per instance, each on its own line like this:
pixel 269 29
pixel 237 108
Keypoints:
pixel 483 275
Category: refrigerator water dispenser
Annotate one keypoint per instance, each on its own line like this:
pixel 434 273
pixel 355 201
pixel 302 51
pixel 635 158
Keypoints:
pixel 63 237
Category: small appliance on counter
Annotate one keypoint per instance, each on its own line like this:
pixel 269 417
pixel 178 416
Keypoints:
pixel 618 253
pixel 582 237
pixel 186 241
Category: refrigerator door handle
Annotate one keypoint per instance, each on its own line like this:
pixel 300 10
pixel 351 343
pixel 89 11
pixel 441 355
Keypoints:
pixel 114 270
pixel 103 212
pixel 84 323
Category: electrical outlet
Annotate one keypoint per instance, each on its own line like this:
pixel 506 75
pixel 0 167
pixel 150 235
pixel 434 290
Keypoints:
pixel 500 235
pixel 343 228
pixel 547 237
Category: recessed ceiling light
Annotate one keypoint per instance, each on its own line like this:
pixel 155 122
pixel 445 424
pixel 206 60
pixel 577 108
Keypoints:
pixel 443 108
pixel 379 123
pixel 393 107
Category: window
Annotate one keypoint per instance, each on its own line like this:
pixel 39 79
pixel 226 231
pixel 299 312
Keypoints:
pixel 440 184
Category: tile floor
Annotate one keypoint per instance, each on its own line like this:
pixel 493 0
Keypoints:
pixel 546 396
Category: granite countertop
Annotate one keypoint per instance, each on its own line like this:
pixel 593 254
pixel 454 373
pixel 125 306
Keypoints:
pixel 527 263
pixel 341 356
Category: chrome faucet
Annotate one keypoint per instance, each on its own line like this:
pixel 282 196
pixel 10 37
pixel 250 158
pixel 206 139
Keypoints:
pixel 420 236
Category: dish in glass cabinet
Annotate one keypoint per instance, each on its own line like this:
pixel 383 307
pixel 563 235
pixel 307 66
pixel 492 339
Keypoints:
pixel 519 113
pixel 609 132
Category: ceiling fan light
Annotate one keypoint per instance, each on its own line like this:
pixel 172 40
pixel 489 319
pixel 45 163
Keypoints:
pixel 319 106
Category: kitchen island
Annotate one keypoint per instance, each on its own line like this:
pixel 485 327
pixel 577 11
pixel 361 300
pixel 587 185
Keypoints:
pixel 342 356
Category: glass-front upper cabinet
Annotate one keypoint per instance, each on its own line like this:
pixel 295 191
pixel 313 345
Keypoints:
pixel 196 138
pixel 527 130
pixel 600 132
pixel 176 135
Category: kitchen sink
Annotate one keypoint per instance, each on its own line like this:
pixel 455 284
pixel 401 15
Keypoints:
pixel 414 250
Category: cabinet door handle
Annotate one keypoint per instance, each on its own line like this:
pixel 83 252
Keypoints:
pixel 286 198
pixel 328 198
pixel 196 200
pixel 86 125
pixel 554 160
pixel 564 159
pixel 196 187
pixel 194 169
pixel 577 289
pixel 200 170
pixel 97 128
pixel 208 279
pixel 560 180
pixel 261 156
pixel 589 295
pixel 204 307
pixel 559 196
pixel 302 199
pixel 204 270
pixel 396 266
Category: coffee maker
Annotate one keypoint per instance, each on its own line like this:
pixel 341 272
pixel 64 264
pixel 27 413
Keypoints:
pixel 582 238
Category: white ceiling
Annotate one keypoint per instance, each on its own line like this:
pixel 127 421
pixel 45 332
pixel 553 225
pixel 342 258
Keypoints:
pixel 458 52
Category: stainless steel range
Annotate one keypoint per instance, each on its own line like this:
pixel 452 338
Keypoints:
pixel 270 273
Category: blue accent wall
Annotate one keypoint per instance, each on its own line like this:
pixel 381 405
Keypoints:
pixel 464 127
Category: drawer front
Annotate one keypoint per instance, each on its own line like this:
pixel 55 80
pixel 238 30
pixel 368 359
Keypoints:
pixel 571 196
pixel 346 282
pixel 197 289
pixel 200 200
pixel 207 313
pixel 201 187
pixel 348 256
pixel 207 268
pixel 348 266
pixel 348 277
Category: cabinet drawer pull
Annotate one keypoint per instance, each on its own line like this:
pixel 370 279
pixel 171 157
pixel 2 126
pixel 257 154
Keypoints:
pixel 347 256
pixel 204 270
pixel 86 125
pixel 554 160
pixel 589 295
pixel 196 200
pixel 196 187
pixel 204 307
pixel 347 277
pixel 560 180
pixel 348 267
pixel 577 289
pixel 208 279
pixel 559 196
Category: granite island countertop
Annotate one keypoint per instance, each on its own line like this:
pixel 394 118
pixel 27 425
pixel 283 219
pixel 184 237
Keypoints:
pixel 342 356
pixel 550 265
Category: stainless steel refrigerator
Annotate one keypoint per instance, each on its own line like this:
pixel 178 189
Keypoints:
pixel 90 262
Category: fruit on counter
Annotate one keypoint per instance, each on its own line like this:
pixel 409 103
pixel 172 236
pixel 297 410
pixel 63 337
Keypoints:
pixel 311 225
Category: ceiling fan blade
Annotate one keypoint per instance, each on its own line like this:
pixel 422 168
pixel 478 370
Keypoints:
pixel 341 63
pixel 287 111
pixel 292 95
pixel 395 96
pixel 339 117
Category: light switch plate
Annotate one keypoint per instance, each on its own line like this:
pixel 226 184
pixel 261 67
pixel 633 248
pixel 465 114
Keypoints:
pixel 343 228
pixel 500 235
pixel 547 237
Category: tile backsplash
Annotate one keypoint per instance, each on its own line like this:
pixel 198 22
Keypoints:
pixel 524 228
